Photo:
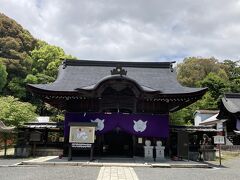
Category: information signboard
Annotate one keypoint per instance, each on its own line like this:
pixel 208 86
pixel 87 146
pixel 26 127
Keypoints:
pixel 35 137
pixel 81 134
pixel 219 140
pixel 80 145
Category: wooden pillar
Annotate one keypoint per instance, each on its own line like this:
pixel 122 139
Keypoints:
pixel 91 152
pixel 134 145
pixel 101 143
pixel 168 146
pixel 46 136
pixel 34 149
pixel 69 152
pixel 133 136
pixel 5 145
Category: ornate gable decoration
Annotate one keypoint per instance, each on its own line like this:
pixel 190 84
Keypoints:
pixel 119 70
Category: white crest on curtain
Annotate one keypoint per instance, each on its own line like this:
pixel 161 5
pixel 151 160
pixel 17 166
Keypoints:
pixel 100 124
pixel 139 126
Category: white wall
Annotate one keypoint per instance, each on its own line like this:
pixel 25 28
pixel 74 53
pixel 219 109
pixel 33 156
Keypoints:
pixel 199 117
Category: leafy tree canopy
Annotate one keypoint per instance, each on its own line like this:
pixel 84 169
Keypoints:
pixel 232 68
pixel 195 69
pixel 46 60
pixel 3 76
pixel 216 84
pixel 26 60
pixel 219 77
pixel 15 42
pixel 15 46
pixel 14 112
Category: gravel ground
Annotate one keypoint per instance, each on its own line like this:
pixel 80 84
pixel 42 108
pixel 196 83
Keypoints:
pixel 49 172
pixel 229 171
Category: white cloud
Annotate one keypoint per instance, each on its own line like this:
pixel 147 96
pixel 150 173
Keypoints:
pixel 133 30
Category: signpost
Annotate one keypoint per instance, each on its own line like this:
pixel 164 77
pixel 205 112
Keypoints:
pixel 81 136
pixel 35 137
pixel 219 140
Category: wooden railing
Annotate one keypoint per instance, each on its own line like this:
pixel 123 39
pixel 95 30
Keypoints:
pixel 230 147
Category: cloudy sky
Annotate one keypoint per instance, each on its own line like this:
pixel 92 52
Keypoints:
pixel 136 30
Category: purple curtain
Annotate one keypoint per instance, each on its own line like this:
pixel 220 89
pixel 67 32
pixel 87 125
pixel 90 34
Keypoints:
pixel 143 125
pixel 238 124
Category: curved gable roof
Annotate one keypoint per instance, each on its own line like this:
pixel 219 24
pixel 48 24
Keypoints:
pixel 81 74
pixel 231 102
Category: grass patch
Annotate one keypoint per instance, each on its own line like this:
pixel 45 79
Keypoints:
pixel 227 155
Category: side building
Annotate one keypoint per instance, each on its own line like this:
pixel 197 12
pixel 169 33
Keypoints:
pixel 230 112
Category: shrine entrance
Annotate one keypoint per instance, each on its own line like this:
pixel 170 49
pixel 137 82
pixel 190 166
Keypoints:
pixel 118 143
pixel 118 98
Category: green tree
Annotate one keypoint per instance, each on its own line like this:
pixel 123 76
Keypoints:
pixel 17 87
pixel 217 84
pixel 232 68
pixel 46 60
pixel 203 72
pixel 15 42
pixel 27 60
pixel 182 117
pixel 235 85
pixel 194 69
pixel 15 46
pixel 3 76
pixel 207 102
pixel 185 115
pixel 14 112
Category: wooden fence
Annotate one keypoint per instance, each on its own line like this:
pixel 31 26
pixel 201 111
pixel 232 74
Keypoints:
pixel 230 147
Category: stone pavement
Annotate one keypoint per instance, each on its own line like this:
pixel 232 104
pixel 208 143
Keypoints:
pixel 117 173
pixel 113 162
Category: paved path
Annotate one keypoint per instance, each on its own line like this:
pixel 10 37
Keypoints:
pixel 229 171
pixel 11 161
pixel 117 173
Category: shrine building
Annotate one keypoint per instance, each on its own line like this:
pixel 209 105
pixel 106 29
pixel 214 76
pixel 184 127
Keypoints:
pixel 129 101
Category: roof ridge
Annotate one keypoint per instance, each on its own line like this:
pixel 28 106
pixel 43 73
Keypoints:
pixel 232 95
pixel 71 62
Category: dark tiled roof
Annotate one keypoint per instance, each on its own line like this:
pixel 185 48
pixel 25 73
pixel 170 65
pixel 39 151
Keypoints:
pixel 86 75
pixel 37 125
pixel 203 111
pixel 193 128
pixel 231 102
